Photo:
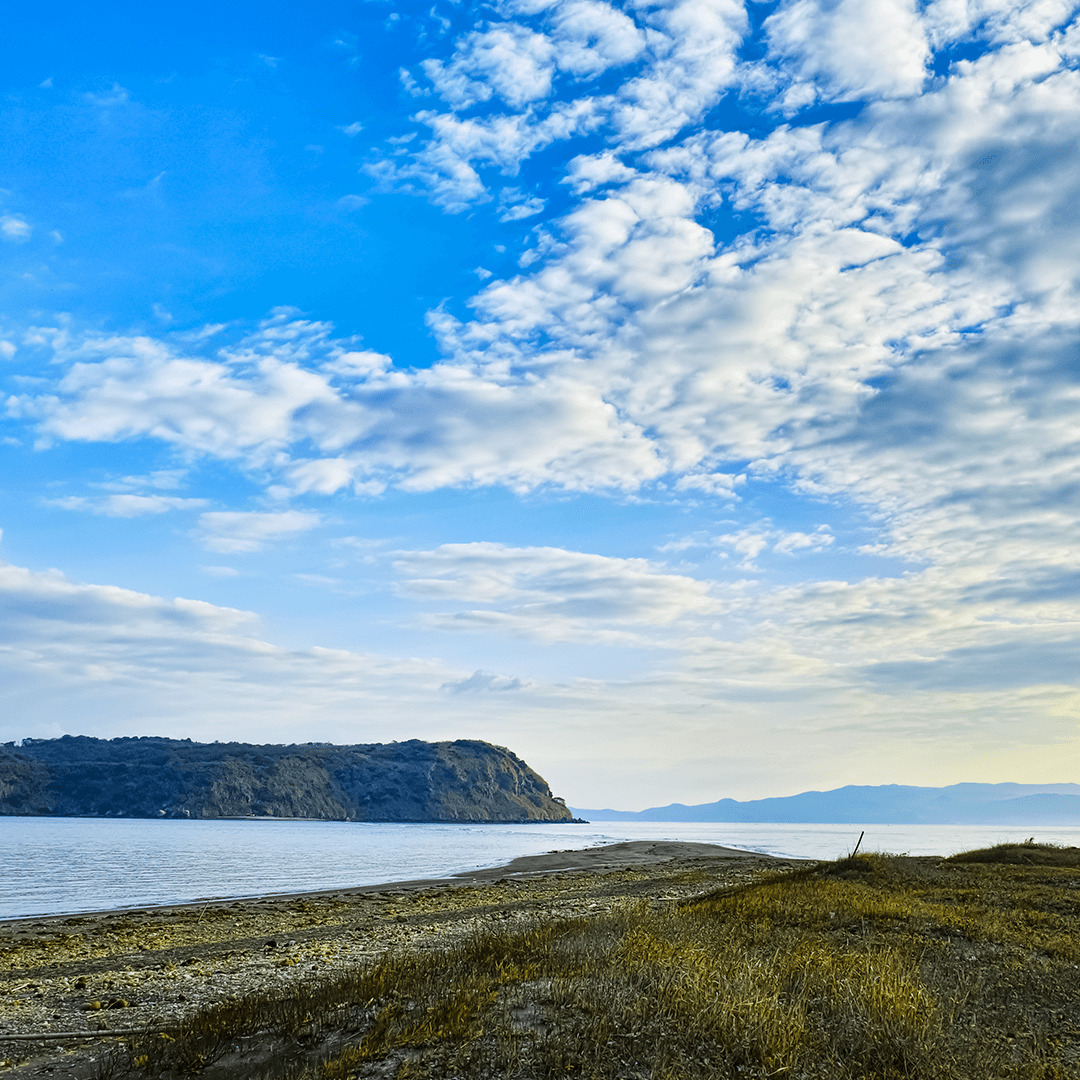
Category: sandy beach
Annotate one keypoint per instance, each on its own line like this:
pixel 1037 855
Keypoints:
pixel 68 981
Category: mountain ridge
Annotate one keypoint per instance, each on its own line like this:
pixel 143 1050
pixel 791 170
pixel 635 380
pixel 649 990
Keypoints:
pixel 884 804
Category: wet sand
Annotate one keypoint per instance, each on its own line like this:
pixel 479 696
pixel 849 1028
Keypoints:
pixel 604 857
pixel 76 978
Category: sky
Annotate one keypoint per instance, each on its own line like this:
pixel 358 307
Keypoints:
pixel 682 393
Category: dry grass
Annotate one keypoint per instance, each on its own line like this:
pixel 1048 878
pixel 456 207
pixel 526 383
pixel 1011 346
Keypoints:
pixel 870 967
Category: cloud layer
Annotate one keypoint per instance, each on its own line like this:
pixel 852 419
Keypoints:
pixel 831 256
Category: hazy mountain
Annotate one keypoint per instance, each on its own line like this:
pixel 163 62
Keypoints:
pixel 968 804
pixel 465 780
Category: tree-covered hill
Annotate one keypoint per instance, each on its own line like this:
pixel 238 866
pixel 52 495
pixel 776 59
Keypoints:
pixel 79 776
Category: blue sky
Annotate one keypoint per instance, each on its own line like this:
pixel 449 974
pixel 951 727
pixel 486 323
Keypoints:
pixel 682 393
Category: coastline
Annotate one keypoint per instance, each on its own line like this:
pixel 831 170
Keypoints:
pixel 693 959
pixel 602 857
pixel 73 979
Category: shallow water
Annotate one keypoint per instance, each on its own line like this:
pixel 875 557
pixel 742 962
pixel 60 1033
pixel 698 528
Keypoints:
pixel 60 865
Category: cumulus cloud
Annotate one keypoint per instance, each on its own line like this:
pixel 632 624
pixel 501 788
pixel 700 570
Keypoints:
pixel 791 542
pixel 442 426
pixel 878 313
pixel 509 60
pixel 589 171
pixel 851 49
pixel 590 37
pixel 683 58
pixel 996 20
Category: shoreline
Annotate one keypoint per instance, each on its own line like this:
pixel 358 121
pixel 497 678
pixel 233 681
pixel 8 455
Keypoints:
pixel 602 857
pixel 72 984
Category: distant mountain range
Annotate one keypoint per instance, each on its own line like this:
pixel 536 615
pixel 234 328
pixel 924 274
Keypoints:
pixel 889 804
pixel 467 780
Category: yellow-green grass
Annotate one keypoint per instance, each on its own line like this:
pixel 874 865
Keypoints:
pixel 870 967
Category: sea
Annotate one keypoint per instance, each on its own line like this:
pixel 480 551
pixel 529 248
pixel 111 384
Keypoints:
pixel 53 866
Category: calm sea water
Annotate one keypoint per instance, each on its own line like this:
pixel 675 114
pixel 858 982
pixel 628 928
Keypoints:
pixel 61 865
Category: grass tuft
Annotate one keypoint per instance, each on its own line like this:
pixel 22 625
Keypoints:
pixel 872 967
pixel 1027 854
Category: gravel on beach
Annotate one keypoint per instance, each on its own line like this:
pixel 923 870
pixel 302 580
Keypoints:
pixel 74 979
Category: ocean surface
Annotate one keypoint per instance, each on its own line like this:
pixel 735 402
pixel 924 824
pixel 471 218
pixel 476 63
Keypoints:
pixel 64 865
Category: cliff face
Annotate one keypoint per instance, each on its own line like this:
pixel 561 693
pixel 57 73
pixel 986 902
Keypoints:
pixel 78 776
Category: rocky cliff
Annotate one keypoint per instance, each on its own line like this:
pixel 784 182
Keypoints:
pixel 78 776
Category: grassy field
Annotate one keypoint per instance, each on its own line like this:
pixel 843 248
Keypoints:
pixel 872 966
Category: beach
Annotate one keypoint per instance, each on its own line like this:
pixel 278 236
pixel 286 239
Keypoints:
pixel 83 976
pixel 647 960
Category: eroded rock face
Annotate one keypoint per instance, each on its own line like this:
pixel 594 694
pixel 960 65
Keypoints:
pixel 467 780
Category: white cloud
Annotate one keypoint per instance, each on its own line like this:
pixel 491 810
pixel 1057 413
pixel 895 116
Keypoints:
pixel 686 60
pixel 109 99
pixel 127 505
pixel 122 662
pixel 446 164
pixel 996 20
pixel 518 206
pixel 851 49
pixel 483 682
pixel 15 229
pixel 509 60
pixel 140 388
pixel 711 483
pixel 590 37
pixel 220 571
pixel 322 475
pixel 879 313
pixel 695 47
pixel 589 171
pixel 550 593
pixel 441 426
pixel 747 543
pixel 235 532
pixel 801 541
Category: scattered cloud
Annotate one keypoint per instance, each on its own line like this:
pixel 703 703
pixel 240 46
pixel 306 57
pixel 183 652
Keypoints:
pixel 220 571
pixel 550 593
pixel 109 99
pixel 125 654
pixel 509 60
pixel 791 542
pixel 516 206
pixel 873 308
pixel 480 682
pixel 241 532
pixel 850 50
pixel 126 505
pixel 15 229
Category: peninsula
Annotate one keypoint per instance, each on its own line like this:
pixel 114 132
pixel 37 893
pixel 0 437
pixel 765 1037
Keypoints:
pixel 463 781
